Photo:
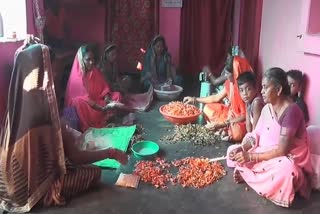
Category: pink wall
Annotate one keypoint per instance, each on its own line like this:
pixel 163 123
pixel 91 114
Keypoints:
pixel 279 46
pixel 169 27
pixel 7 50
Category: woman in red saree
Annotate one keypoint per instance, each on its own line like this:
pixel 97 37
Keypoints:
pixel 89 93
pixel 40 162
pixel 231 116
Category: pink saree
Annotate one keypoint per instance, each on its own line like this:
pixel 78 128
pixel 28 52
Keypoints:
pixel 91 87
pixel 279 178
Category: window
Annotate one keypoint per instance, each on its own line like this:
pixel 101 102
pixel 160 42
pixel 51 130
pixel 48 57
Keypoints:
pixel 13 18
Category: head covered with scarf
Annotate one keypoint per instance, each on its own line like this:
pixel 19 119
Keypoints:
pixel 156 71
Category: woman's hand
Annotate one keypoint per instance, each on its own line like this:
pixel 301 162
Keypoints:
pixel 207 71
pixel 214 125
pixel 31 39
pixel 107 99
pixel 241 157
pixel 233 153
pixel 250 141
pixel 118 155
pixel 189 100
pixel 113 105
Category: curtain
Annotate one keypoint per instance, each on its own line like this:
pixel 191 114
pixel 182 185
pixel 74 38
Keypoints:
pixel 206 35
pixel 131 25
pixel 249 30
pixel 31 15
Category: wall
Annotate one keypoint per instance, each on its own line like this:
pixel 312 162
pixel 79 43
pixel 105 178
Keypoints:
pixel 279 46
pixel 85 20
pixel 169 27
pixel 7 50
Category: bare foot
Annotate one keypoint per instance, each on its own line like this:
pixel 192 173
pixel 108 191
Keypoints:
pixel 237 177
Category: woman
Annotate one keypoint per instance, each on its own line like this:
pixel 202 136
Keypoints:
pixel 157 66
pixel 274 159
pixel 108 67
pixel 231 116
pixel 35 147
pixel 89 93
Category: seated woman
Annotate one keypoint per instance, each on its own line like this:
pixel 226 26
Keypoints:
pixel 157 66
pixel 221 116
pixel 108 67
pixel 89 93
pixel 274 159
pixel 40 163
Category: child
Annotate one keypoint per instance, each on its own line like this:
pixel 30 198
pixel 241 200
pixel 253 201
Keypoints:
pixel 295 80
pixel 250 95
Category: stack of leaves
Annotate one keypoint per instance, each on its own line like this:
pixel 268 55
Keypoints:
pixel 195 133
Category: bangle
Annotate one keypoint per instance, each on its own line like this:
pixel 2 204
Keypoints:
pixel 250 157
pixel 257 157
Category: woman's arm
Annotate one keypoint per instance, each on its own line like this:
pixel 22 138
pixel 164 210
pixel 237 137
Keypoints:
pixel 169 70
pixel 248 122
pixel 76 156
pixel 217 81
pixel 212 98
pixel 257 107
pixel 95 106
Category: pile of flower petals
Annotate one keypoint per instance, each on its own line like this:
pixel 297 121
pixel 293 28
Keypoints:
pixel 192 172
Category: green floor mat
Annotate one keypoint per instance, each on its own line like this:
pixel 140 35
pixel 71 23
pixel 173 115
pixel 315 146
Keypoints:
pixel 118 138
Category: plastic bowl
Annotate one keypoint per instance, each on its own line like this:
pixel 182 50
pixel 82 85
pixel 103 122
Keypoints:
pixel 145 149
pixel 169 95
pixel 179 120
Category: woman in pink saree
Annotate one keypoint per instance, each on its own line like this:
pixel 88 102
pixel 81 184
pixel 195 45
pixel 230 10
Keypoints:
pixel 89 93
pixel 274 159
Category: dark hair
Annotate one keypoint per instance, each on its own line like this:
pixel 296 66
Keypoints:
pixel 229 64
pixel 296 75
pixel 279 78
pixel 247 77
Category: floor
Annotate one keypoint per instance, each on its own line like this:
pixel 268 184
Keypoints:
pixel 222 197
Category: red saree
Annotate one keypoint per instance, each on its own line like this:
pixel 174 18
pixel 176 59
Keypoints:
pixel 97 89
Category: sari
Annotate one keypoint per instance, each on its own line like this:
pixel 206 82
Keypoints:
pixel 218 112
pixel 110 70
pixel 279 178
pixel 91 86
pixel 33 166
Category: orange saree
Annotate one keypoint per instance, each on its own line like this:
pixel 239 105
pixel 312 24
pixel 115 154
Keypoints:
pixel 218 112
